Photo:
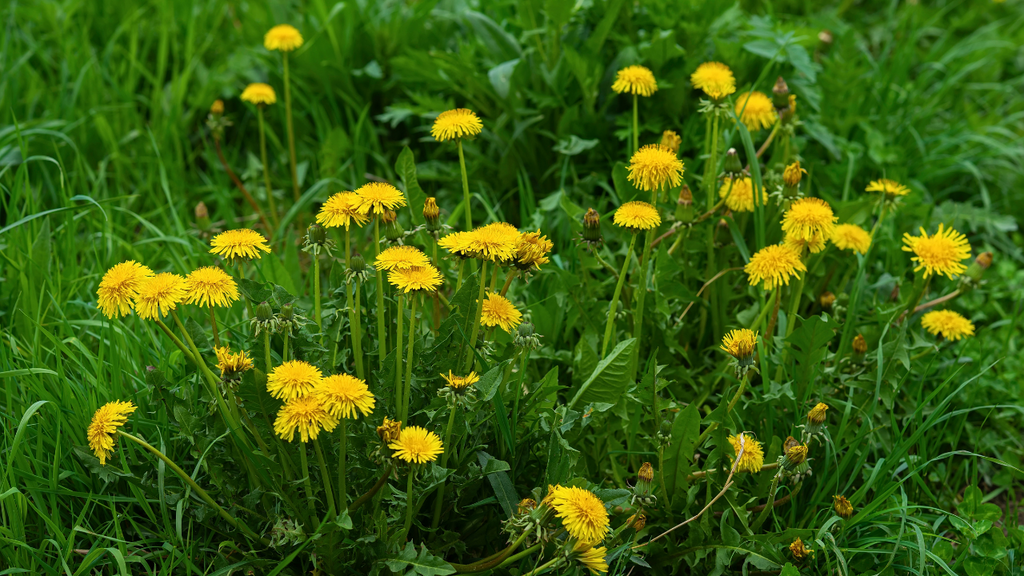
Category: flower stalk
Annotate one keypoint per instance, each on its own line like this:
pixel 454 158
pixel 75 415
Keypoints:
pixel 613 306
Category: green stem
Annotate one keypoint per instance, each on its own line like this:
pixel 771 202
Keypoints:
pixel 636 125
pixel 342 464
pixel 524 356
pixel 767 507
pixel 354 319
pixel 326 478
pixel 373 490
pixel 291 130
pixel 408 506
pixel 266 350
pixel 609 328
pixel 764 312
pixel 462 265
pixel 641 294
pixel 465 187
pixel 213 323
pixel 305 479
pixel 357 337
pixel 728 409
pixel 407 392
pixel 399 388
pixel 543 568
pixel 316 297
pixel 382 334
pixel 711 172
pixel 177 342
pixel 266 170
pixel 284 351
pixel 439 500
pixel 200 362
pixel 479 313
pixel 198 490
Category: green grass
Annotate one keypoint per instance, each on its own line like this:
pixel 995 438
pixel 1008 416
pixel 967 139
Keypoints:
pixel 105 153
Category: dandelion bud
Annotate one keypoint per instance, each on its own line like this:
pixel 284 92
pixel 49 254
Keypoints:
pixel 842 507
pixel 816 418
pixel 646 473
pixel 393 231
pixel 217 108
pixel 202 217
pixel 732 167
pixel 388 216
pixel 827 299
pixel 799 551
pixel 637 521
pixel 791 177
pixel 780 94
pixel 287 311
pixel 671 141
pixel 389 430
pixel 977 269
pixel 860 346
pixel 316 234
pixel 592 226
pixel 527 505
pixel 794 457
pixel 684 206
pixel 740 344
pixel 264 311
pixel 431 213
pixel 356 263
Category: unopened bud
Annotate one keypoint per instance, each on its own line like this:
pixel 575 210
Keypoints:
pixel 646 473
pixel 527 505
pixel 357 263
pixel 792 175
pixel 288 311
pixel 202 217
pixel 780 94
pixel 799 551
pixel 816 418
pixel 842 507
pixel 684 206
pixel 637 521
pixel 393 231
pixel 525 329
pixel 671 141
pixel 732 167
pixel 860 346
pixel 977 268
pixel 431 213
pixel 592 226
pixel 794 457
pixel 388 216
pixel 264 311
pixel 217 108
pixel 316 234
pixel 389 431
pixel 827 299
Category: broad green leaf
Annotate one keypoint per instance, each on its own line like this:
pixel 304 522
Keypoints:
pixel 405 166
pixel 255 291
pixel 809 341
pixel 423 564
pixel 561 459
pixel 609 379
pixel 504 491
pixel 679 454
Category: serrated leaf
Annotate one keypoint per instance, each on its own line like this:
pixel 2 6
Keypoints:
pixel 810 341
pixel 405 167
pixel 254 291
pixel 504 491
pixel 609 379
pixel 679 454
pixel 424 564
pixel 561 459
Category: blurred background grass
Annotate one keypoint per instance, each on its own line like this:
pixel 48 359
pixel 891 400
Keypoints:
pixel 104 154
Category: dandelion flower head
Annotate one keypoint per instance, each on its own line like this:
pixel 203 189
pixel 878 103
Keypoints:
pixel 773 266
pixel 948 324
pixel 259 93
pixel 401 258
pixel 583 514
pixel 739 196
pixel 851 237
pixel 755 110
pixel 752 458
pixel 104 425
pixel 232 364
pixel 497 241
pixel 532 250
pixel 814 244
pixel 458 243
pixel 342 395
pixel 635 80
pixel 457 123
pixel 159 295
pixel 808 217
pixel 376 197
pixel 498 311
pixel 119 286
pixel 306 414
pixel 209 286
pixel 671 141
pixel 942 253
pixel 460 382
pixel 293 379
pixel 655 167
pixel 389 430
pixel 888 187
pixel 817 414
pixel 592 558
pixel 341 209
pixel 715 79
pixel 740 344
pixel 637 215
pixel 417 445
pixel 424 278
pixel 245 244
pixel 283 37
pixel 842 506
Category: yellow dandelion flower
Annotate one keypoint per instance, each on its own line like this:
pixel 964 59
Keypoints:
pixel 715 79
pixel 498 311
pixel 583 514
pixel 293 379
pixel 635 80
pixel 119 287
pixel 532 250
pixel 808 217
pixel 209 286
pixel 948 324
pixel 671 141
pixel 425 278
pixel 799 551
pixel 417 445
pixel 740 197
pixel 217 107
pixel 773 265
pixel 259 93
pixel 159 295
pixel 232 364
pixel 942 253
pixel 793 174
pixel 458 123
pixel 341 209
pixel 104 425
pixel 842 507
pixel 888 187
pixel 851 237
pixel 283 37
pixel 817 414
pixel 307 414
pixel 401 258
pixel 460 382
pixel 654 167
pixel 376 197
pixel 592 558
pixel 458 243
pixel 242 244
pixel 494 242
pixel 815 244
pixel 342 395
pixel 637 216
pixel 740 344
pixel 752 458
pixel 389 430
pixel 430 210
pixel 755 110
